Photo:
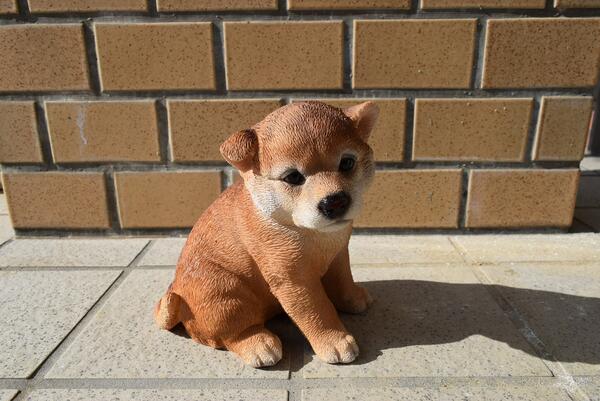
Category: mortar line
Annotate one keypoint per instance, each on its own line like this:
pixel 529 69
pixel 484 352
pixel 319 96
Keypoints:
pixel 219 56
pixel 464 196
pixel 532 131
pixel 479 55
pixel 409 130
pixel 23 9
pixel 112 199
pixel 354 93
pixel 164 131
pixel 414 12
pixel 43 132
pixel 152 7
pixel 89 37
pixel 274 383
pixel 347 55
pixel 215 165
pixel 182 232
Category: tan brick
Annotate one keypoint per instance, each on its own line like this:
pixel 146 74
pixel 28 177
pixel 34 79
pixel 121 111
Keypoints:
pixel 412 199
pixel 57 200
pixel 541 53
pixel 577 3
pixel 198 127
pixel 347 4
pixel 215 5
pixel 103 131
pixel 481 4
pixel 42 58
pixel 563 127
pixel 521 198
pixel 165 199
pixel 284 55
pixel 413 53
pixel 19 142
pixel 155 56
pixel 8 7
pixel 59 6
pixel 387 138
pixel 471 129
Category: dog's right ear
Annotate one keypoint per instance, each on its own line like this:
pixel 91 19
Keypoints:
pixel 240 149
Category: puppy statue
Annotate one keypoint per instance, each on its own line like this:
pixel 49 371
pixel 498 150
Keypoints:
pixel 278 241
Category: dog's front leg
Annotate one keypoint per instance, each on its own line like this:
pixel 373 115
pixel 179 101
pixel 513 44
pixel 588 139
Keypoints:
pixel 305 301
pixel 345 294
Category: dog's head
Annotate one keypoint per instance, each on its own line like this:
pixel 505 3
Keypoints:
pixel 307 164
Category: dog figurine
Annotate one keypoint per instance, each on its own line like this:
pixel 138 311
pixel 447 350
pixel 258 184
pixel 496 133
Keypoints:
pixel 278 241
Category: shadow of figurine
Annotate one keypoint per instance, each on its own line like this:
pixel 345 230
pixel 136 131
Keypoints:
pixel 415 312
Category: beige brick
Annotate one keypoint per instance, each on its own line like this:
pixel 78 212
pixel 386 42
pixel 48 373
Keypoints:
pixel 387 138
pixel 19 142
pixel 165 199
pixel 59 6
pixel 412 199
pixel 57 200
pixel 198 127
pixel 215 5
pixel 167 56
pixel 103 131
pixel 347 4
pixel 284 55
pixel 521 198
pixel 577 3
pixel 479 4
pixel 541 53
pixel 42 58
pixel 471 129
pixel 413 53
pixel 563 127
pixel 8 7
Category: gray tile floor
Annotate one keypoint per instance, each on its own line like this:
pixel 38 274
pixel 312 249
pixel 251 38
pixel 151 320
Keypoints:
pixel 486 317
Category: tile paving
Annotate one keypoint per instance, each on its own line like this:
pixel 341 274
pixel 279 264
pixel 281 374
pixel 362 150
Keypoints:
pixel 472 317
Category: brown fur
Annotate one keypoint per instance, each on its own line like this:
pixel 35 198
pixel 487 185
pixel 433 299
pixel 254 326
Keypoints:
pixel 261 248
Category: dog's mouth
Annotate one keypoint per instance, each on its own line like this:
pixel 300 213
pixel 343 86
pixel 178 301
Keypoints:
pixel 337 224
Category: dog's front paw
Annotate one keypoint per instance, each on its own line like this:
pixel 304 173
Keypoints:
pixel 357 301
pixel 341 348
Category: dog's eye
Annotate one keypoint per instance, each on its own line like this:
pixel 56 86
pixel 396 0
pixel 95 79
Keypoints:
pixel 347 164
pixel 294 178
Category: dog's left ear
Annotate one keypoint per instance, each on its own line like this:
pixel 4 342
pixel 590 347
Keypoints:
pixel 240 149
pixel 363 116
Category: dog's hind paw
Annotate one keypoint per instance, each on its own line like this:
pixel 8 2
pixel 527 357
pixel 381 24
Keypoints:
pixel 339 350
pixel 260 349
pixel 357 301
pixel 262 355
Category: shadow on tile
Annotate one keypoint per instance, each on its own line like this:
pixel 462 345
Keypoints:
pixel 566 324
pixel 415 314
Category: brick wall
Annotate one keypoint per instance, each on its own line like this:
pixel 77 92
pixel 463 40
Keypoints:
pixel 112 111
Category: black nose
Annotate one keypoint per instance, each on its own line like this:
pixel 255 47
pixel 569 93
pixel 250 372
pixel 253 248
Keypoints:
pixel 335 205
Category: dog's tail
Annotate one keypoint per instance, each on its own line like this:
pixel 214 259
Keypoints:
pixel 166 311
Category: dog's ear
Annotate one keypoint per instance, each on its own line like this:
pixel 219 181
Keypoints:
pixel 240 149
pixel 363 116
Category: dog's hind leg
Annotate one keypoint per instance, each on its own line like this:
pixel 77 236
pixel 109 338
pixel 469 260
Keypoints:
pixel 166 311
